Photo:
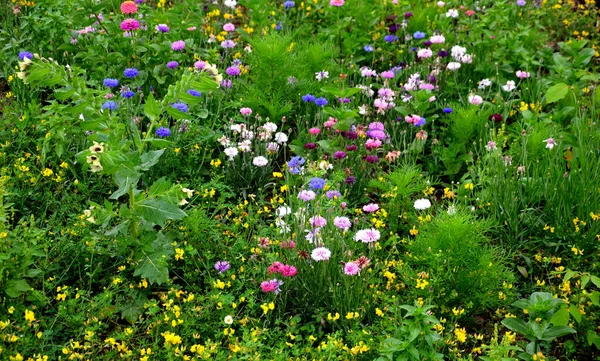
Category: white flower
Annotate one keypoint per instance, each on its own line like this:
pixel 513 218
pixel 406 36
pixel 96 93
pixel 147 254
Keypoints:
pixel 270 127
pixel 230 3
pixel 362 110
pixel 510 86
pixel 188 192
pixel 223 141
pixel 236 128
pixel 452 13
pixel 466 59
pixel 453 66
pixel 322 75
pixel 437 39
pixel 475 99
pixel 228 319
pixel 283 211
pixel 484 83
pixel 231 152
pixel 422 204
pixel 424 53
pixel 320 254
pixel 260 161
pixel 550 143
pixel 281 138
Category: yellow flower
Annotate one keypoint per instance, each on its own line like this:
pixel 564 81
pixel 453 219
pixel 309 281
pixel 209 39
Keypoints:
pixel 116 281
pixel 64 165
pixel 379 312
pixel 29 316
pixel 47 172
pixel 179 254
pixel 215 163
pixel 460 334
pixel 171 338
pixel 333 318
pixel 469 186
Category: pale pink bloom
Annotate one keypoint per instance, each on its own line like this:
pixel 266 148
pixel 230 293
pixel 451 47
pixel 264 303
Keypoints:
pixel 510 86
pixel 522 74
pixel 424 53
pixel 246 111
pixel 371 207
pixel 317 221
pixel 491 145
pixel 437 39
pixel 342 223
pixel 351 269
pixel 453 66
pixel 260 161
pixel 336 2
pixel 229 27
pixel 475 99
pixel 367 235
pixel 320 254
pixel 550 143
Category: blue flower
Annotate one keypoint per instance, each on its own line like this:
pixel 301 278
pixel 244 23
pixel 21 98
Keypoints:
pixel 447 110
pixel 131 72
pixel 419 35
pixel 194 93
pixel 25 54
pixel 163 132
pixel 182 107
pixel 390 38
pixel 295 164
pixel 316 183
pixel 127 94
pixel 110 82
pixel 368 48
pixel 278 26
pixel 288 5
pixel 421 122
pixel 110 105
pixel 321 102
pixel 308 98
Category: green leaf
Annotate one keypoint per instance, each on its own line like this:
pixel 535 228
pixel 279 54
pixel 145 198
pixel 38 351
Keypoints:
pixel 593 338
pixel 153 268
pixel 595 298
pixel 560 318
pixel 152 108
pixel 574 311
pixel 150 158
pixel 126 177
pixel 557 92
pixel 568 275
pixel 557 331
pixel 157 211
pixel 595 281
pixel 517 325
pixel 15 288
pixel 177 114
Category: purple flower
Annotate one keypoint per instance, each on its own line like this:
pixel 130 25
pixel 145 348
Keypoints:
pixel 194 93
pixel 333 194
pixel 368 48
pixel 163 28
pixel 226 83
pixel 178 45
pixel 172 64
pixel 419 35
pixel 110 105
pixel 127 94
pixel 372 159
pixel 130 72
pixel 110 83
pixel 421 122
pixel 340 154
pixel 351 147
pixel 288 4
pixel 233 71
pixel 447 110
pixel 390 38
pixel 350 180
pixel 308 98
pixel 163 132
pixel 25 54
pixel 182 107
pixel 222 266
pixel 227 44
pixel 310 146
pixel 521 2
pixel 316 183
pixel 321 102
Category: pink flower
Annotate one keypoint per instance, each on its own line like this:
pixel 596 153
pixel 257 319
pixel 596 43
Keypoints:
pixel 342 223
pixel 271 286
pixel 351 268
pixel 200 64
pixel 129 7
pixel 336 2
pixel 330 122
pixel 288 271
pixel 522 74
pixel 424 53
pixel 229 27
pixel 550 143
pixel 437 39
pixel 246 111
pixel 367 235
pixel 178 45
pixel 371 207
pixel 475 99
pixel 372 144
pixel 470 12
pixel 491 145
pixel 276 267
pixel 130 24
pixel 317 221
pixel 314 131
pixel 320 254
pixel 307 195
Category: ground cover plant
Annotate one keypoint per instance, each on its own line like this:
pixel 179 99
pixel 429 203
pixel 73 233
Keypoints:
pixel 299 180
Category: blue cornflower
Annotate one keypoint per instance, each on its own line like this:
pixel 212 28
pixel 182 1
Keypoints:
pixel 316 183
pixel 368 48
pixel 288 5
pixel 25 54
pixel 419 35
pixel 127 94
pixel 390 38
pixel 278 26
pixel 110 82
pixel 182 107
pixel 447 110
pixel 295 164
pixel 308 98
pixel 163 132
pixel 194 93
pixel 110 105
pixel 421 122
pixel 131 72
pixel 321 102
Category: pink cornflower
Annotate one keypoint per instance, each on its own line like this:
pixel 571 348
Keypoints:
pixel 288 271
pixel 336 2
pixel 271 286
pixel 276 267
pixel 246 111
pixel 351 269
pixel 178 45
pixel 475 99
pixel 330 122
pixel 320 254
pixel 306 195
pixel 317 221
pixel 371 207
pixel 229 27
pixel 314 131
pixel 550 143
pixel 522 74
pixel 367 235
pixel 130 24
pixel 342 223
pixel 372 144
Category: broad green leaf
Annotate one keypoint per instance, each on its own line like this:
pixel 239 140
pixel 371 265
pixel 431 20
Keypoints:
pixel 593 338
pixel 557 92
pixel 560 318
pixel 574 311
pixel 595 281
pixel 15 288
pixel 153 268
pixel 517 325
pixel 157 211
pixel 150 158
pixel 177 114
pixel 126 177
pixel 152 108
pixel 595 298
pixel 557 331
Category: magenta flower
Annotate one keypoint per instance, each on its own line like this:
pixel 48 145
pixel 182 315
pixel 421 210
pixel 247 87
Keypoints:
pixel 271 286
pixel 178 45
pixel 351 269
pixel 130 24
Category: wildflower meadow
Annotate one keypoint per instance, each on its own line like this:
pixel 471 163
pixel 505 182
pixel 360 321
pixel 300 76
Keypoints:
pixel 387 180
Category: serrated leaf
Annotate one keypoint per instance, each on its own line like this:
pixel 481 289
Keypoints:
pixel 153 268
pixel 152 108
pixel 126 177
pixel 557 92
pixel 157 211
pixel 593 338
pixel 150 158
